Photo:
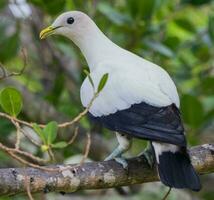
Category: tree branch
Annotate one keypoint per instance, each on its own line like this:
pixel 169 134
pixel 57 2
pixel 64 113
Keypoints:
pixel 94 175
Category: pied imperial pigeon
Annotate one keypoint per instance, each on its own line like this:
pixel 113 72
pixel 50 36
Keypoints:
pixel 139 100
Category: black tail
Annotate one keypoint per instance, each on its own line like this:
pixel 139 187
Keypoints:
pixel 175 170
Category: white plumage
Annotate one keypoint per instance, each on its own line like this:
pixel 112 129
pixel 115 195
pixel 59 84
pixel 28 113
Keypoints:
pixel 139 99
pixel 131 80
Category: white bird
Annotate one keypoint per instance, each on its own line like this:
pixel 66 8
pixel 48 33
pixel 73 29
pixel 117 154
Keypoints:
pixel 139 99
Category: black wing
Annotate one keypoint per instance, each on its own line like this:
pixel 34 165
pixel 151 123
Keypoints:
pixel 144 121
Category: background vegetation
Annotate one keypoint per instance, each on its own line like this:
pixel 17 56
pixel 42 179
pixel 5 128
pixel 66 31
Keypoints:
pixel 177 35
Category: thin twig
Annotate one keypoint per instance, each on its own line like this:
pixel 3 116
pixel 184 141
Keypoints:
pixel 31 156
pixel 18 133
pixel 7 75
pixel 13 155
pixel 17 122
pixel 27 185
pixel 4 115
pixel 51 154
pixel 87 148
pixel 78 117
pixel 23 153
pixel 76 131
pixel 62 125
pixel 31 164
pixel 29 124
pixel 167 194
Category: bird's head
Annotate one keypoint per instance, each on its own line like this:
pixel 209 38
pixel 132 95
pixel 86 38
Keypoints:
pixel 73 24
pixel 81 29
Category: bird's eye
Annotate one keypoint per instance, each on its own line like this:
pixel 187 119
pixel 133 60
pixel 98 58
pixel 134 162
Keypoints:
pixel 70 20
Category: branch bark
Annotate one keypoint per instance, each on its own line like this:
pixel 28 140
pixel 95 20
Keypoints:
pixel 94 175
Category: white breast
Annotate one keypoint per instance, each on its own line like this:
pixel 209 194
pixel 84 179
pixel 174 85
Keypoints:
pixel 129 83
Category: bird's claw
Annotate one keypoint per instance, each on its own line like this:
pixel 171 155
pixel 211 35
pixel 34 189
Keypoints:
pixel 119 160
pixel 122 161
pixel 108 158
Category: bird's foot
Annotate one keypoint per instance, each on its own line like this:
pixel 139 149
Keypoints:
pixel 116 153
pixel 122 161
pixel 108 158
pixel 124 144
pixel 119 160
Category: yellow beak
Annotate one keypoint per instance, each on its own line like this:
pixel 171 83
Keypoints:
pixel 47 32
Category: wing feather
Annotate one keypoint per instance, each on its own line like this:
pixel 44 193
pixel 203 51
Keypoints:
pixel 147 122
pixel 128 85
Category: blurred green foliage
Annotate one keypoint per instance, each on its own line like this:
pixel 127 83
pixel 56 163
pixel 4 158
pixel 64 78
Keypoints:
pixel 178 35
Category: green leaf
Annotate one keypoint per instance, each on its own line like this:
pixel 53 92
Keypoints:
pixel 192 110
pixel 211 27
pixel 50 132
pixel 89 77
pixel 40 132
pixel 102 82
pixel 11 101
pixel 60 145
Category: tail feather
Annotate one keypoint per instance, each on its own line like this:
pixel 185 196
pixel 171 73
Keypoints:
pixel 175 168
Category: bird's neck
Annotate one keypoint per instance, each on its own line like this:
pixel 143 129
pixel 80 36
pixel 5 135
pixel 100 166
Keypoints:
pixel 95 46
